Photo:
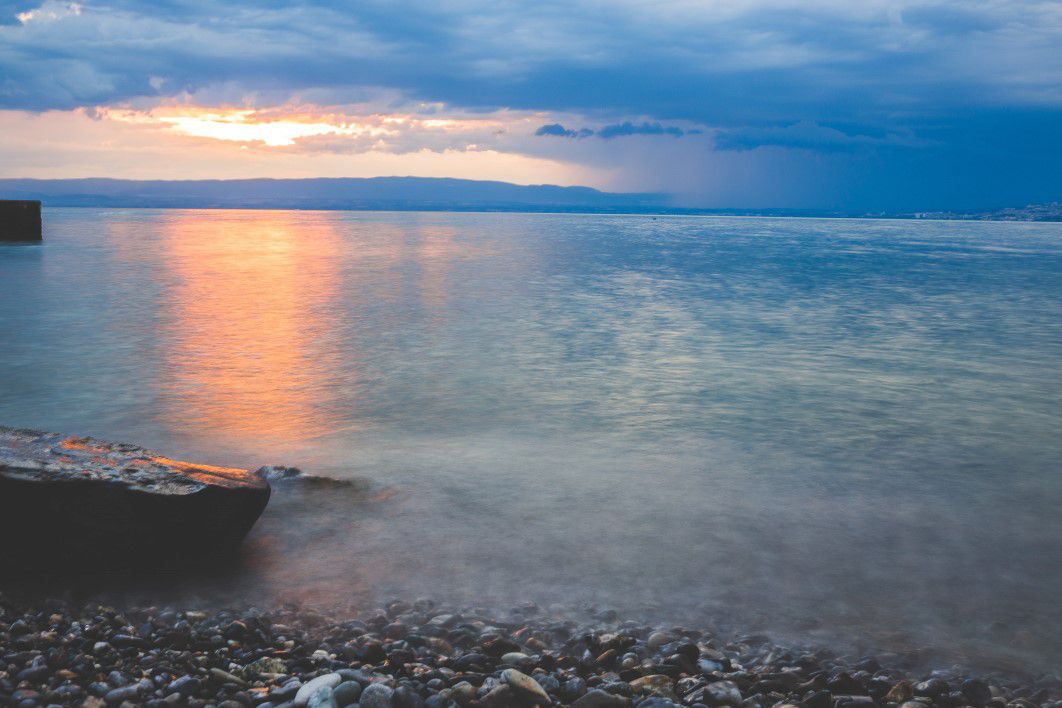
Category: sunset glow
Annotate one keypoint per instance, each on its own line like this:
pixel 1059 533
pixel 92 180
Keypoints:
pixel 286 126
pixel 240 128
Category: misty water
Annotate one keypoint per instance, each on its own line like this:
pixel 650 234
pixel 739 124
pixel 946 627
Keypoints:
pixel 837 430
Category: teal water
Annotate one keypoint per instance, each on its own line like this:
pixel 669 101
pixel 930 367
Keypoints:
pixel 815 426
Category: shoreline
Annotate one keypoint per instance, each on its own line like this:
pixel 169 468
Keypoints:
pixel 422 654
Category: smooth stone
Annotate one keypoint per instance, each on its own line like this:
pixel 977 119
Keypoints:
pixel 322 698
pixel 657 702
pixel 406 697
pixel 226 677
pixel 308 689
pixel 376 695
pixel 725 693
pixel 657 640
pixel 355 675
pixel 499 696
pixel 284 694
pixel 573 688
pixel 122 694
pixel 463 692
pixel 185 686
pixel 515 658
pixel 596 698
pixel 547 682
pixel 525 686
pixel 347 693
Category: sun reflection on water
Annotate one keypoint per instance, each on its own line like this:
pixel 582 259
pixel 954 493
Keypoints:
pixel 248 298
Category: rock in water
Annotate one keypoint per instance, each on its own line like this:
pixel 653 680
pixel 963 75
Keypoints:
pixel 20 220
pixel 86 500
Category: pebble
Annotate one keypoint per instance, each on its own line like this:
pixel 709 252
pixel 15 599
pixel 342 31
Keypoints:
pixel 600 699
pixel 376 695
pixel 185 686
pixel 724 693
pixel 120 695
pixel 226 677
pixel 322 698
pixel 515 658
pixel 308 689
pixel 347 693
pixel 657 640
pixel 525 687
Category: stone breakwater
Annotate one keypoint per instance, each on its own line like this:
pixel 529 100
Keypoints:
pixel 418 654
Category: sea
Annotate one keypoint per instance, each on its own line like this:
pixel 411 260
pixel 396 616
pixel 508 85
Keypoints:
pixel 835 430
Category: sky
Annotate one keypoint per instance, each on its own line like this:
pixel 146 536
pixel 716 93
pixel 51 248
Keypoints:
pixel 821 104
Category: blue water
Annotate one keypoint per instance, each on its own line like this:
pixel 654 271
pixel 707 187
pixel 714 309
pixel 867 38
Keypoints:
pixel 823 427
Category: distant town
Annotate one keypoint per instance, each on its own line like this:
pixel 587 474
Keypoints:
pixel 1030 212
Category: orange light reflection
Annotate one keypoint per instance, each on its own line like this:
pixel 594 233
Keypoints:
pixel 249 300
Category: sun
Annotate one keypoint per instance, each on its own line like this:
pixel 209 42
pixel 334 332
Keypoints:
pixel 241 126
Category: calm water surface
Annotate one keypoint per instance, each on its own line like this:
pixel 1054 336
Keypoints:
pixel 809 426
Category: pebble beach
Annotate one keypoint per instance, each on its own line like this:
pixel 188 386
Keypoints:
pixel 410 654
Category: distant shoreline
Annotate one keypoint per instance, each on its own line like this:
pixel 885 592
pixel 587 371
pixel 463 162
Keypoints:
pixel 705 213
pixel 423 194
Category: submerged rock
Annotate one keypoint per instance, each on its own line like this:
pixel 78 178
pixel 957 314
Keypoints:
pixel 88 500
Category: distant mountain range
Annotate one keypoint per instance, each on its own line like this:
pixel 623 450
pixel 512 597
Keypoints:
pixel 419 194
pixel 382 193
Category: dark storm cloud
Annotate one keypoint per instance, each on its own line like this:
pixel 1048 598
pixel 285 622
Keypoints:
pixel 759 63
pixel 615 130
pixel 626 128
pixel 556 130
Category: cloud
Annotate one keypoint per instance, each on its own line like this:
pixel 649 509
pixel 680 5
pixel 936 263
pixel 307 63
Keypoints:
pixel 808 135
pixel 626 128
pixel 615 130
pixel 559 131
pixel 859 87
pixel 755 60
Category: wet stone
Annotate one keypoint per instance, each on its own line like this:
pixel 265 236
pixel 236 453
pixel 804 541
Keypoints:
pixel 597 698
pixel 323 697
pixel 311 687
pixel 524 686
pixel 376 695
pixel 347 693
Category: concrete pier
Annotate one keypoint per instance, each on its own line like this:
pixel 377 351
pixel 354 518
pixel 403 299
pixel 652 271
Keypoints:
pixel 20 220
